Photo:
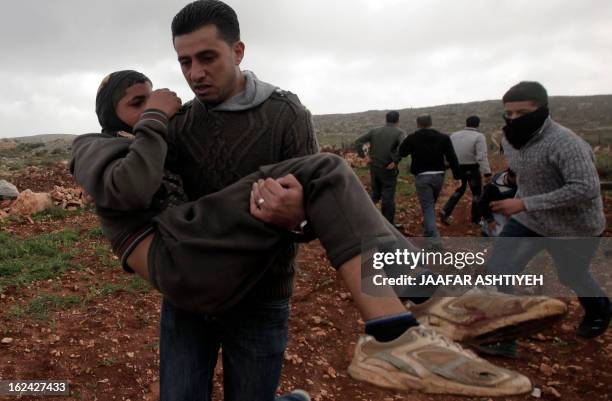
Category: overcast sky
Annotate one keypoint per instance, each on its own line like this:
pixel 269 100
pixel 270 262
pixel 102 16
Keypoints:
pixel 337 55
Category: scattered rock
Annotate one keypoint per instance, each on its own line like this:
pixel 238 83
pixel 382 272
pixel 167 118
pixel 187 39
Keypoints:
pixel 552 391
pixel 6 340
pixel 575 368
pixel 546 370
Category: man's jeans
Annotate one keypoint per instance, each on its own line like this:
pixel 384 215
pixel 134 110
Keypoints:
pixel 470 175
pixel 253 337
pixel 428 187
pixel 383 183
pixel 572 257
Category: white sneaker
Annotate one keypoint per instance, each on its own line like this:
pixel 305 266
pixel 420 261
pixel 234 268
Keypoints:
pixel 420 359
pixel 485 315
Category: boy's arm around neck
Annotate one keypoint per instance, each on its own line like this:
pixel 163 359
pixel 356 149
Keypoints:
pixel 119 173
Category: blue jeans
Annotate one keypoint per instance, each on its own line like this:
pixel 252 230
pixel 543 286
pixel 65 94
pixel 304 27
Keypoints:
pixel 428 187
pixel 252 336
pixel 572 257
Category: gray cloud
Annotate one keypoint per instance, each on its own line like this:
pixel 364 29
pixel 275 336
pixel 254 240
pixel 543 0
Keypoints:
pixel 339 56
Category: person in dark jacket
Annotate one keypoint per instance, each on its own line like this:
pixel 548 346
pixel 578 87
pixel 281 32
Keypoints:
pixel 384 161
pixel 430 150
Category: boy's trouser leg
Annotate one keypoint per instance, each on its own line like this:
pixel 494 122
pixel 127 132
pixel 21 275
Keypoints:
pixel 195 239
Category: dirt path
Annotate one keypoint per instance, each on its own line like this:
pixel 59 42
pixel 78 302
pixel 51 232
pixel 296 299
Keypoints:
pixel 106 344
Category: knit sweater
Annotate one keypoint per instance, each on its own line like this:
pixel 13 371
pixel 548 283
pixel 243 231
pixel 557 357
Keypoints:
pixel 384 144
pixel 429 149
pixel 211 148
pixel 558 183
pixel 471 148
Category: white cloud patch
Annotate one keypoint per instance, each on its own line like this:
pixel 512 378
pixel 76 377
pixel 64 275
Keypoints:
pixel 338 56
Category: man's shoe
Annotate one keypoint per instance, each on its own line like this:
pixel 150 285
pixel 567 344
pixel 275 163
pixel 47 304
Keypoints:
pixel 297 395
pixel 507 349
pixel 595 322
pixel 445 219
pixel 482 316
pixel 420 359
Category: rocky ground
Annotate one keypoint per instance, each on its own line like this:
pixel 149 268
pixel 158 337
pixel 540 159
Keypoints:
pixel 98 327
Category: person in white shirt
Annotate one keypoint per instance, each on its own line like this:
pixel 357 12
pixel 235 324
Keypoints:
pixel 470 147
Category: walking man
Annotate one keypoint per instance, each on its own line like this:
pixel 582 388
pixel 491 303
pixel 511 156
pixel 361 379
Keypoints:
pixel 470 147
pixel 384 160
pixel 429 149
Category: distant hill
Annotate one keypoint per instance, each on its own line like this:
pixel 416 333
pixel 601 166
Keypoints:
pixel 44 138
pixel 589 116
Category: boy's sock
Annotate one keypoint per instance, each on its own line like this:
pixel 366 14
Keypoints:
pixel 389 328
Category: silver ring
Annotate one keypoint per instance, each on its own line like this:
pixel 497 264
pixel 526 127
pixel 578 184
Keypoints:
pixel 260 201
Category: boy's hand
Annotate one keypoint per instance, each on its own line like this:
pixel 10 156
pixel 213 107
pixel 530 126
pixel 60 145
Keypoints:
pixel 164 100
pixel 278 202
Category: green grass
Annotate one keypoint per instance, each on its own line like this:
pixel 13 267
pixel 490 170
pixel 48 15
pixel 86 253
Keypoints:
pixel 39 257
pixel 39 307
pixel 604 166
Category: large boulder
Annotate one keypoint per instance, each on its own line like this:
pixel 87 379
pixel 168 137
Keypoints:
pixel 8 190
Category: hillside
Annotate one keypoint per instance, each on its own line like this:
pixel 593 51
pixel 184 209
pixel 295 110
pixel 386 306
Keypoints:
pixel 587 115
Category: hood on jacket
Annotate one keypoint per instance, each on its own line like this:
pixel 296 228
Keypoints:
pixel 255 93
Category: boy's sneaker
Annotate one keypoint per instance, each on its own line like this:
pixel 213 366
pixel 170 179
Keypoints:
pixel 485 316
pixel 420 359
pixel 595 324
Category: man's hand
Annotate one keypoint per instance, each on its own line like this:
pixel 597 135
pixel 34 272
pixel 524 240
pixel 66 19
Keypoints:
pixel 278 202
pixel 391 166
pixel 508 207
pixel 164 100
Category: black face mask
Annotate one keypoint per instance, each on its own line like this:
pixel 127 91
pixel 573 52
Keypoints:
pixel 520 130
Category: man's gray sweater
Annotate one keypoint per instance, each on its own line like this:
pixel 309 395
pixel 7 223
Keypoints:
pixel 558 183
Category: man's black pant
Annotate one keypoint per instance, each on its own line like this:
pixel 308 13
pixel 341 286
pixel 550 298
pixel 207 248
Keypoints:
pixel 470 175
pixel 383 183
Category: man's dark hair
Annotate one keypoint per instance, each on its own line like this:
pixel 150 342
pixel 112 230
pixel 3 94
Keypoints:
pixel 424 121
pixel 527 91
pixel 472 121
pixel 207 12
pixel 392 117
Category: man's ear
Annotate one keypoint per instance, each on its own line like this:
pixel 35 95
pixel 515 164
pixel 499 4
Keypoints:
pixel 238 49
